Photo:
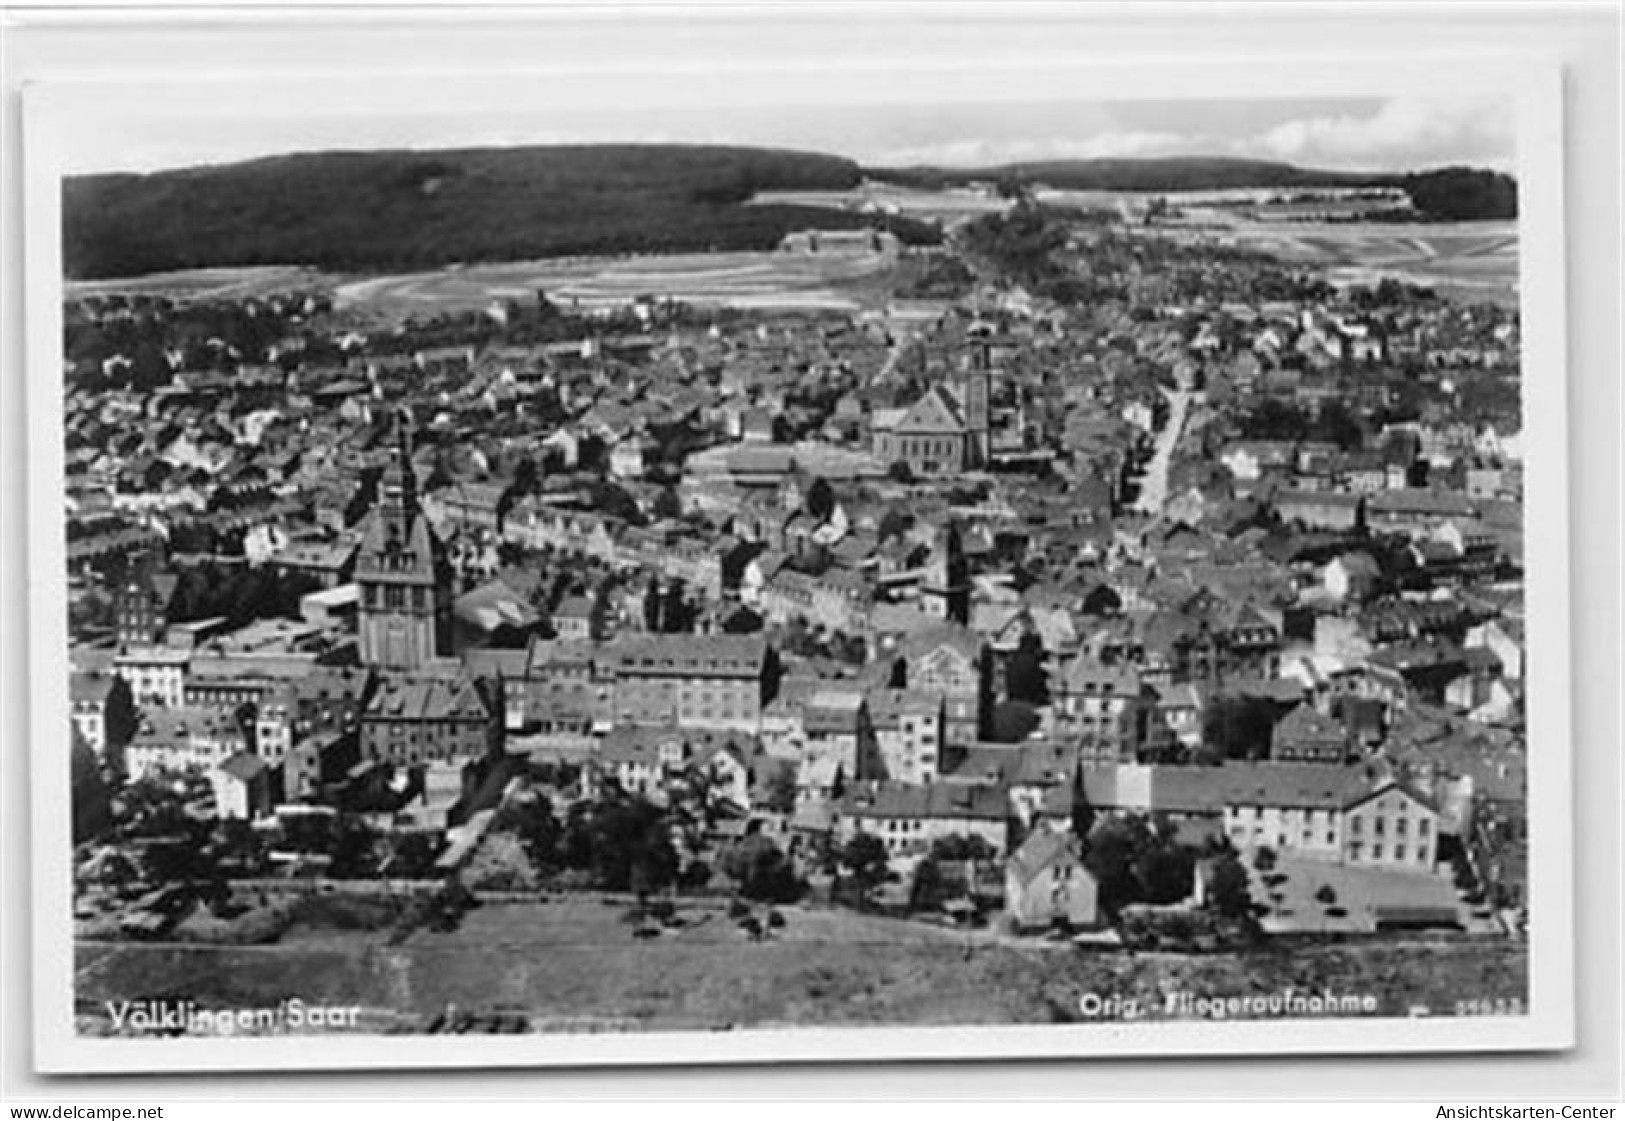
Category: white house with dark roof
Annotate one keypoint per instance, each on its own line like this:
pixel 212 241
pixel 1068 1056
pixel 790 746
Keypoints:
pixel 1329 812
pixel 909 728
pixel 242 787
pixel 691 680
pixel 1045 880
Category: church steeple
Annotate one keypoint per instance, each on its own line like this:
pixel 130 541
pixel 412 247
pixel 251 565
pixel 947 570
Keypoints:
pixel 397 488
pixel 405 612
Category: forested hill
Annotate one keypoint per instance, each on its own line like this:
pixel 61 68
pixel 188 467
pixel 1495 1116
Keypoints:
pixel 394 210
pixel 401 210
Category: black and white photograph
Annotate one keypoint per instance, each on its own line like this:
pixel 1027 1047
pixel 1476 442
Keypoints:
pixel 1062 566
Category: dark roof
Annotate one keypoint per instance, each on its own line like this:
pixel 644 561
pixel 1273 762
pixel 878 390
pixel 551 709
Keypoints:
pixel 937 800
pixel 1040 850
pixel 687 655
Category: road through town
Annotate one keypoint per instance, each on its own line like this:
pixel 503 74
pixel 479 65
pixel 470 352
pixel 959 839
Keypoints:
pixel 1154 487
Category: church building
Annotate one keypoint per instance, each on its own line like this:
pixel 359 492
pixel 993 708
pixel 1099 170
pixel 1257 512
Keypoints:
pixel 945 432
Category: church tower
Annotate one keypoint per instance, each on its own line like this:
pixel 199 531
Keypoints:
pixel 945 583
pixel 403 573
pixel 978 405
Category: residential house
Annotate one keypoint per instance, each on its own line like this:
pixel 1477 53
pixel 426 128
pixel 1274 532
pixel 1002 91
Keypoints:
pixel 909 728
pixel 242 787
pixel 719 681
pixel 910 818
pixel 1046 883
pixel 1329 812
pixel 1104 707
pixel 156 675
pixel 413 722
pixel 182 739
pixel 577 619
pixel 1352 576
pixel 952 662
pixel 1305 735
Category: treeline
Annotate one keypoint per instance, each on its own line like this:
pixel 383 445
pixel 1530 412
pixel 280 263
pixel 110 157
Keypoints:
pixel 1449 194
pixel 1459 194
pixel 238 593
pixel 1172 173
pixel 390 211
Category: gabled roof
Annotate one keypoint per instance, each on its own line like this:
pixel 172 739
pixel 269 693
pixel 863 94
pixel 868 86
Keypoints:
pixel 1042 849
pixel 244 766
pixel 938 411
pixel 962 641
pixel 1304 723
pixel 938 800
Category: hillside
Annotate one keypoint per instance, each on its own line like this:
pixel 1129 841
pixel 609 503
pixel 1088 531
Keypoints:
pixel 1443 194
pixel 396 210
pixel 1173 173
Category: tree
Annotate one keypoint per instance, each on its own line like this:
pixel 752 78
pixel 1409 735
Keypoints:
pixel 1165 874
pixel 1013 721
pixel 781 790
pixel 365 496
pixel 531 820
pixel 500 864
pixel 929 888
pixel 1239 726
pixel 1227 889
pixel 864 856
pixel 354 850
pixel 120 721
pixel 962 846
pixel 91 808
pixel 410 856
pixel 894 523
pixel 1115 846
pixel 667 505
pixel 629 847
pixel 761 870
pixel 820 500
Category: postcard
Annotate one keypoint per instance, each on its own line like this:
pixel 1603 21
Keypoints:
pixel 581 567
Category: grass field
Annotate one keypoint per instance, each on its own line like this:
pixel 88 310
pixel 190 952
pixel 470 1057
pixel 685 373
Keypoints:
pixel 741 279
pixel 564 962
pixel 1471 259
pixel 203 284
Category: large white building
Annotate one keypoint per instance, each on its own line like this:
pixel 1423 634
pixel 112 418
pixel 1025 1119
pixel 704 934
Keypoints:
pixel 1329 812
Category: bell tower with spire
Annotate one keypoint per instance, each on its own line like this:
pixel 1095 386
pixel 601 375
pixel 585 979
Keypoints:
pixel 402 570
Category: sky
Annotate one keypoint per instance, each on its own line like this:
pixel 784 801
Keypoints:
pixel 1369 133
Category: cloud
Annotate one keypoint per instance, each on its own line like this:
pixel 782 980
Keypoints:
pixel 985 151
pixel 1401 133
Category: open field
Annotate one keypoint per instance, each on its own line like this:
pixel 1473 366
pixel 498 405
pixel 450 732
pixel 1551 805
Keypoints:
pixel 947 206
pixel 741 279
pixel 568 961
pixel 1470 259
pixel 203 284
